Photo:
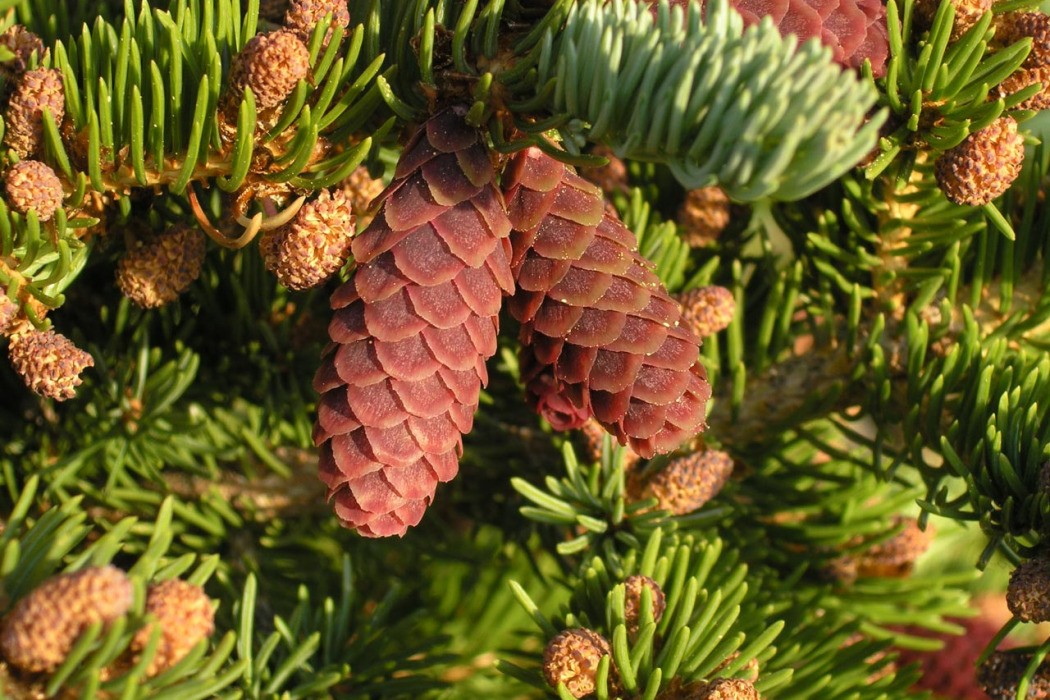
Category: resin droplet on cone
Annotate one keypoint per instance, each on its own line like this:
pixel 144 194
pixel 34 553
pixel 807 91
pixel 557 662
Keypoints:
pixel 412 330
pixel 600 335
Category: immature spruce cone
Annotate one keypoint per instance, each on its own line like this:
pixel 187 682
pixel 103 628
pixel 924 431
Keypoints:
pixel 185 616
pixel 271 65
pixel 707 310
pixel 1000 674
pixel 48 362
pixel 632 608
pixel 687 482
pixel 32 186
pixel 37 90
pixel 23 43
pixel 572 657
pixel 162 266
pixel 314 245
pixel 1028 595
pixel 704 214
pixel 43 626
pixel 600 336
pixel 982 167
pixel 304 15
pixel 412 330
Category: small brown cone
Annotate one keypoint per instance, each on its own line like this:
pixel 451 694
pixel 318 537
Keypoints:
pixel 999 675
pixel 594 437
pixel 8 313
pixel 687 482
pixel 36 90
pixel 632 608
pixel 729 689
pixel 43 626
pixel 48 362
pixel 162 266
pixel 412 330
pixel 611 177
pixel 30 185
pixel 1022 78
pixel 23 44
pixel 983 166
pixel 362 189
pixel 707 310
pixel 896 557
pixel 184 615
pixel 1015 26
pixel 271 65
pixel 600 336
pixel 572 658
pixel 314 245
pixel 703 216
pixel 304 15
pixel 1028 595
pixel 967 14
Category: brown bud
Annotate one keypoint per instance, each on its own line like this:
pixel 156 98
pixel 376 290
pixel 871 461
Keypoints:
pixel 37 90
pixel 688 482
pixel 43 626
pixel 632 608
pixel 706 310
pixel 185 617
pixel 1028 595
pixel 304 15
pixel 32 186
pixel 1000 674
pixel 271 65
pixel 49 362
pixel 572 658
pixel 982 167
pixel 160 267
pixel 703 216
pixel 314 245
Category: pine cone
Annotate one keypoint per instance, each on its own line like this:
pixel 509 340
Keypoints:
pixel 304 15
pixel 37 90
pixel 729 689
pixel 1015 26
pixel 1000 674
pixel 271 65
pixel 1022 78
pixel 687 482
pixel 983 166
pixel 362 189
pixel 703 216
pixel 573 657
pixel 632 608
pixel 32 186
pixel 23 44
pixel 707 310
pixel 314 245
pixel 161 266
pixel 599 334
pixel 8 313
pixel 185 616
pixel 967 14
pixel 43 626
pixel 1028 595
pixel 412 330
pixel 48 362
pixel 896 557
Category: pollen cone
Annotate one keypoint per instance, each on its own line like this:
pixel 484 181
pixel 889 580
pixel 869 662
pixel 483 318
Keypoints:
pixel 600 335
pixel 412 330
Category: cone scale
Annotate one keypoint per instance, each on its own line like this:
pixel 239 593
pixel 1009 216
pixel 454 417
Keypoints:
pixel 412 330
pixel 600 335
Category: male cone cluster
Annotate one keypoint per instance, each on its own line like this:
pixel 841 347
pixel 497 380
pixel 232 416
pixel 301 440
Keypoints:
pixel 412 330
pixel 600 335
